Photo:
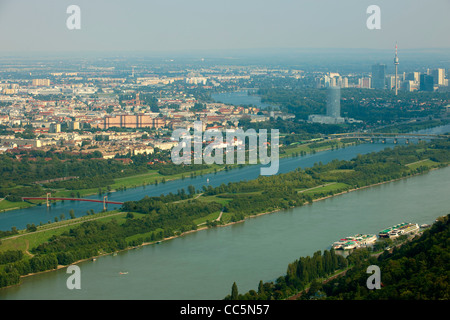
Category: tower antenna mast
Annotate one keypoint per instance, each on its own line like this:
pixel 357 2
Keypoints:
pixel 396 69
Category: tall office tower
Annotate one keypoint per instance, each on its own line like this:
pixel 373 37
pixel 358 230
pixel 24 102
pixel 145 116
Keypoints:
pixel 438 76
pixel 413 76
pixel 342 82
pixel 333 82
pixel 379 76
pixel 365 82
pixel 409 85
pixel 396 69
pixel 426 82
pixel 334 102
pixel 326 81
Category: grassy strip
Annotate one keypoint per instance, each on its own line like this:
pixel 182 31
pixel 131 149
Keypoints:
pixel 211 217
pixel 6 205
pixel 326 188
pixel 45 232
pixel 422 163
pixel 321 146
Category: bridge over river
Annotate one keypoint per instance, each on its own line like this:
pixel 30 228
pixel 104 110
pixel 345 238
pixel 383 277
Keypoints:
pixel 48 199
pixel 385 135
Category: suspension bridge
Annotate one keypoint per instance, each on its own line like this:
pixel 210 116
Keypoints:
pixel 48 198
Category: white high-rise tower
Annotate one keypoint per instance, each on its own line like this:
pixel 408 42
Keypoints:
pixel 396 69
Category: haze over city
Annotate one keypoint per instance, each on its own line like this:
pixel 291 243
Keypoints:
pixel 200 25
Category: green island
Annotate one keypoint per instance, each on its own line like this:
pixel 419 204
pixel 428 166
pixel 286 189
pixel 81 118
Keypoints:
pixel 153 219
pixel 415 268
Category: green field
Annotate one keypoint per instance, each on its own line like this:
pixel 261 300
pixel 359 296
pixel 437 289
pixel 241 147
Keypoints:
pixel 6 205
pixel 211 217
pixel 143 235
pixel 423 163
pixel 321 146
pixel 221 200
pixel 25 240
pixel 334 187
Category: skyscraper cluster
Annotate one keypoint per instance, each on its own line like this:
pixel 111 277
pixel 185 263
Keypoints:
pixel 429 81
pixel 332 79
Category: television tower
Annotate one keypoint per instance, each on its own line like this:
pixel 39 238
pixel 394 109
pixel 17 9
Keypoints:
pixel 396 69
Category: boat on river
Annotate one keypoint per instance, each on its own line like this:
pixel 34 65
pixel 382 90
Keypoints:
pixel 353 242
pixel 399 230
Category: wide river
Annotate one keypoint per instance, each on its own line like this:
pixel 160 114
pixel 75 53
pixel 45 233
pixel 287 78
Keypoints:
pixel 204 264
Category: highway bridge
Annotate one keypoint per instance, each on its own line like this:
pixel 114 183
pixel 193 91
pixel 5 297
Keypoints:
pixel 385 135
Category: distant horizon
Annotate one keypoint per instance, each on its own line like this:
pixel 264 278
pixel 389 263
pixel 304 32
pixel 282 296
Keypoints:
pixel 217 52
pixel 177 26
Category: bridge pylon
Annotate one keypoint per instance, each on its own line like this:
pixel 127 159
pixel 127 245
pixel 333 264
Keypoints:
pixel 48 203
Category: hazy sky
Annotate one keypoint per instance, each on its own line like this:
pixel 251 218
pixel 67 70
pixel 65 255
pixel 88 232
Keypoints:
pixel 186 25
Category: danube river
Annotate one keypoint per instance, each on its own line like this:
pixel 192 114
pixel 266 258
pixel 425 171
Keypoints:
pixel 204 264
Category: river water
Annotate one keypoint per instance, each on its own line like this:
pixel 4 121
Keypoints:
pixel 241 98
pixel 204 264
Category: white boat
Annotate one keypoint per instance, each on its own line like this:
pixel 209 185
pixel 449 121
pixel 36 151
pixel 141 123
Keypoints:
pixel 338 245
pixel 353 242
pixel 398 230
pixel 350 245
pixel 366 239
